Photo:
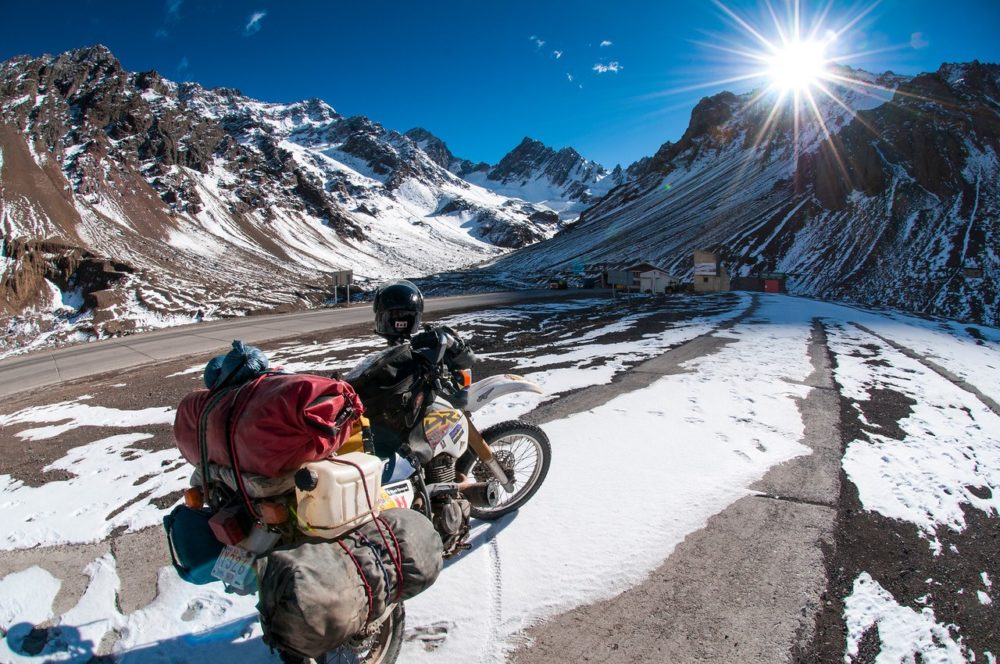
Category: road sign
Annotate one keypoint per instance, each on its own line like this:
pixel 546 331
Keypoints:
pixel 343 278
pixel 620 278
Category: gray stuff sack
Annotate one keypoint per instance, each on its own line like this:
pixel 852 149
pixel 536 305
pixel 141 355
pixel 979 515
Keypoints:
pixel 315 595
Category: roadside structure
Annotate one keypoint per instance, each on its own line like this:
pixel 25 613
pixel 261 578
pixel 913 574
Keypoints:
pixel 710 275
pixel 658 281
pixel 626 277
pixel 763 282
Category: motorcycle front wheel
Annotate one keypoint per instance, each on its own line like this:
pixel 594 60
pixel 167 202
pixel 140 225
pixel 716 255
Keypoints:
pixel 382 647
pixel 524 452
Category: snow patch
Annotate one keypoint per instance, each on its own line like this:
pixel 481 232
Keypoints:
pixel 904 632
pixel 27 596
pixel 72 415
pixel 925 478
pixel 109 483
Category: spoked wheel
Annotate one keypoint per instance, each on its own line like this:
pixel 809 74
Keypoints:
pixel 382 647
pixel 524 453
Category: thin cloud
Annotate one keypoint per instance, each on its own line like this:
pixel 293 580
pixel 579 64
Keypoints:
pixel 558 54
pixel 606 43
pixel 614 67
pixel 174 9
pixel 917 41
pixel 172 14
pixel 253 26
pixel 569 77
pixel 183 65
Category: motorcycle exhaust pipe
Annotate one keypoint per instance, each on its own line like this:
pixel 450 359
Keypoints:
pixel 482 494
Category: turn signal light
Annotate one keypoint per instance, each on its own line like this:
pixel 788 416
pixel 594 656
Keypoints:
pixel 273 513
pixel 466 377
pixel 193 498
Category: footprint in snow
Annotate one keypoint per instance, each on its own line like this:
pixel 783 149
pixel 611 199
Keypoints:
pixel 201 606
pixel 430 636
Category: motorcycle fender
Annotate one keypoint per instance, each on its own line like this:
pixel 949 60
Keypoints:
pixel 484 391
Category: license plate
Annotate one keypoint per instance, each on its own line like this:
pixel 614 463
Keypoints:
pixel 235 568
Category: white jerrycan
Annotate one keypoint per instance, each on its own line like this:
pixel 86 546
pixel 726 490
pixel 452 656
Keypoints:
pixel 338 494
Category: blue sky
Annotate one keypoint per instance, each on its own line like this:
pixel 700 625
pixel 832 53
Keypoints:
pixel 483 75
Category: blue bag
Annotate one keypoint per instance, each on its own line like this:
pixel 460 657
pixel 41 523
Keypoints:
pixel 193 546
pixel 237 366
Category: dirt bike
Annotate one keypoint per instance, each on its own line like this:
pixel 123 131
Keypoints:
pixel 445 468
pixel 450 471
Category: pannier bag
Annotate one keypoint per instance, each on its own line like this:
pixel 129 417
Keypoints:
pixel 193 546
pixel 276 422
pixel 317 594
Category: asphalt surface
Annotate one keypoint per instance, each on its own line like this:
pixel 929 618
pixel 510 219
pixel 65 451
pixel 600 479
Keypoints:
pixel 748 586
pixel 49 367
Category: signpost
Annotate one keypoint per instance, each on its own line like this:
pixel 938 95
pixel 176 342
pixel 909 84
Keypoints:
pixel 342 278
pixel 619 279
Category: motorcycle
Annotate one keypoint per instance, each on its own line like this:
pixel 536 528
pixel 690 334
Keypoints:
pixel 446 468
pixel 450 470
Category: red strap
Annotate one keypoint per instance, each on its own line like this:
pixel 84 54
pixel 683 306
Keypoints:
pixel 364 580
pixel 395 555
pixel 398 560
pixel 235 413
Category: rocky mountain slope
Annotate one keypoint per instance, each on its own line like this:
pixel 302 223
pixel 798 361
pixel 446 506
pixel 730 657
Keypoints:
pixel 897 206
pixel 127 199
pixel 562 180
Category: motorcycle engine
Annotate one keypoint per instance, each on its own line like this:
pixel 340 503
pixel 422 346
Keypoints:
pixel 451 520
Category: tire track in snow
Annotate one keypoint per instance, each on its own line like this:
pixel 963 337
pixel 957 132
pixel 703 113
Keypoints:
pixel 490 646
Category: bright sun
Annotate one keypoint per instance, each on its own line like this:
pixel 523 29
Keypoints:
pixel 798 65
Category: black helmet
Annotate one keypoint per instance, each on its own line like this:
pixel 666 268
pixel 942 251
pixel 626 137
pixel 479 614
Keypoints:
pixel 398 307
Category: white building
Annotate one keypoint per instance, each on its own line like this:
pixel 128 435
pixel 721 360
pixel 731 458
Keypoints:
pixel 657 281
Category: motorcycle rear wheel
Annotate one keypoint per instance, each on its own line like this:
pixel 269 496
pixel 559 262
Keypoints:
pixel 381 648
pixel 522 448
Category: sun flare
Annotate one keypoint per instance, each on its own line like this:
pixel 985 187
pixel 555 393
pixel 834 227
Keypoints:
pixel 798 66
pixel 795 53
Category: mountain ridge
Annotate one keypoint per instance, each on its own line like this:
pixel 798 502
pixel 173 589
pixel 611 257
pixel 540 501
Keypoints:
pixel 266 200
pixel 898 207
pixel 562 180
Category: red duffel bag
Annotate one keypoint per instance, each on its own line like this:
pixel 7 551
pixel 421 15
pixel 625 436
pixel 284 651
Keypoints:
pixel 276 422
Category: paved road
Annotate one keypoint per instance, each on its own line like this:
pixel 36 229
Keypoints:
pixel 747 587
pixel 49 367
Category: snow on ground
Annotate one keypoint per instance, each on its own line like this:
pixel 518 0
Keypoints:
pixel 651 466
pixel 707 435
pixel 904 632
pixel 111 484
pixel 939 464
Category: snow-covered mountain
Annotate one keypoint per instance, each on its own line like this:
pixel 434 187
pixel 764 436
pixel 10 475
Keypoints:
pixel 131 200
pixel 898 206
pixel 562 180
